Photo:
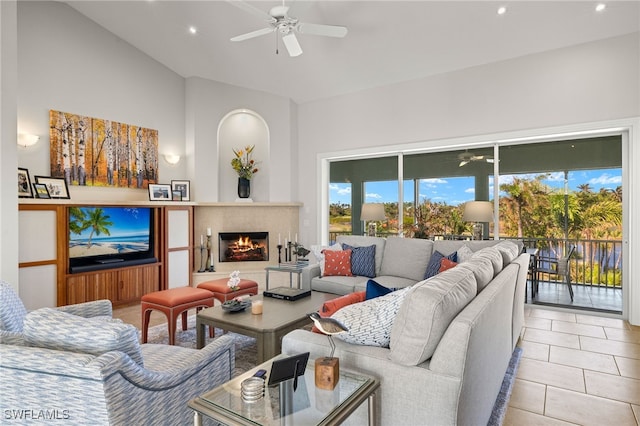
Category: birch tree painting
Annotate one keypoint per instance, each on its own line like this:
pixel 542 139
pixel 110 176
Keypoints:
pixel 94 152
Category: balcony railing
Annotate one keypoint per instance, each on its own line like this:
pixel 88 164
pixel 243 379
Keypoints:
pixel 595 263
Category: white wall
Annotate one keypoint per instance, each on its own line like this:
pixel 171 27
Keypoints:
pixel 207 103
pixel 68 63
pixel 589 83
pixel 8 101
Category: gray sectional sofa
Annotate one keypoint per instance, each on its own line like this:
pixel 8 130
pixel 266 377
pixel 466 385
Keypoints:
pixel 452 337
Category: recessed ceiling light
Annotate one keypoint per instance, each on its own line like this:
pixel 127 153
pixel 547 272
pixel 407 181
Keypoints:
pixel 193 30
pixel 502 10
pixel 600 7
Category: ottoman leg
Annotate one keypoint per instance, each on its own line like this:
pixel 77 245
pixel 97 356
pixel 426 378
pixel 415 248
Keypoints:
pixel 184 320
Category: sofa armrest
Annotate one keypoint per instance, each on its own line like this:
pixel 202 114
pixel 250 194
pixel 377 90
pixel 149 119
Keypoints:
pixel 89 309
pixel 11 338
pixel 309 273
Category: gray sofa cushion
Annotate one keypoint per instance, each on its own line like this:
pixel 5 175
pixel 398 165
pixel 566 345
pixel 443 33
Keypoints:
pixel 509 251
pixel 427 312
pixel 364 241
pixel 406 257
pixel 493 255
pixel 54 329
pixel 482 269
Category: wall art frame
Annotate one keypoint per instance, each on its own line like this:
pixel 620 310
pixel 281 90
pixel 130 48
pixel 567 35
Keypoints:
pixel 89 151
pixel 57 187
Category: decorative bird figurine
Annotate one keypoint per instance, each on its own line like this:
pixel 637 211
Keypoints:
pixel 328 326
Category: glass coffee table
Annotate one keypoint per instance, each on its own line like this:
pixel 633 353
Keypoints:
pixel 281 405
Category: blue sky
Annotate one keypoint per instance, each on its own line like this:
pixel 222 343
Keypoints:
pixel 458 190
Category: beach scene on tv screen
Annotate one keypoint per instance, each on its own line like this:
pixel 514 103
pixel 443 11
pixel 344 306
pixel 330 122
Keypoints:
pixel 95 231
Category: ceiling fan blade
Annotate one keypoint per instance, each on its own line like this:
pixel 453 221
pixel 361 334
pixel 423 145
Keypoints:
pixel 322 30
pixel 463 163
pixel 252 9
pixel 291 43
pixel 253 34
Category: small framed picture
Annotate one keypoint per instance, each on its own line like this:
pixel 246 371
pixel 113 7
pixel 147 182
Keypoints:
pixel 40 190
pixel 176 195
pixel 159 192
pixel 184 186
pixel 57 187
pixel 24 184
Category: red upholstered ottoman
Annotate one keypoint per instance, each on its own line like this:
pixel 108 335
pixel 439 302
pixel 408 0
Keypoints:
pixel 222 292
pixel 172 303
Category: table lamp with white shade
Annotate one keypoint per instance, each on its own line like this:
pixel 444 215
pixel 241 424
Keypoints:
pixel 478 212
pixel 372 212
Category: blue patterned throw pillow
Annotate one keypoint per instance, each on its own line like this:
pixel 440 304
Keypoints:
pixel 434 263
pixel 363 260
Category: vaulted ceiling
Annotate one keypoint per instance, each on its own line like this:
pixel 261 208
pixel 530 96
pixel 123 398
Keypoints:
pixel 387 42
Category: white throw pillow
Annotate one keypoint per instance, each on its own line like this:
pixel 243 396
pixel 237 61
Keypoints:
pixel 317 252
pixel 370 322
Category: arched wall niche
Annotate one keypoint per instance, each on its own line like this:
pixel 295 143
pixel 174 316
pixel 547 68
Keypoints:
pixel 238 129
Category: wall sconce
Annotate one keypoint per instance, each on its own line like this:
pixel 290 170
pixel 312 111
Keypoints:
pixel 372 212
pixel 478 211
pixel 25 140
pixel 172 159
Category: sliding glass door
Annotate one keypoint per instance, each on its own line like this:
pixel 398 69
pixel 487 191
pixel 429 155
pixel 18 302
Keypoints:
pixel 552 195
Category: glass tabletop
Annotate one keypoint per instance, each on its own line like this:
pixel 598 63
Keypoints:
pixel 282 404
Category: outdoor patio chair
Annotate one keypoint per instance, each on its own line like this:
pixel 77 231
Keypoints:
pixel 558 267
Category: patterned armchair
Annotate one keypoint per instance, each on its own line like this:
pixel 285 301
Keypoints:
pixel 74 370
pixel 13 313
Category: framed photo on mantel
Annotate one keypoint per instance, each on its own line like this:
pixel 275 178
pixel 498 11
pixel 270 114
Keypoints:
pixel 57 187
pixel 24 184
pixel 184 187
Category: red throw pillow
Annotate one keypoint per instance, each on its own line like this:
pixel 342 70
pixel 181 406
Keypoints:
pixel 446 264
pixel 330 307
pixel 337 263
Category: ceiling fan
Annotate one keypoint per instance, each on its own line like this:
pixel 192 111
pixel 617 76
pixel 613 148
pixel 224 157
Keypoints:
pixel 279 20
pixel 467 157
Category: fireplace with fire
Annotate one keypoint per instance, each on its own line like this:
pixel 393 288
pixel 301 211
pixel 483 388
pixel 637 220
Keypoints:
pixel 243 246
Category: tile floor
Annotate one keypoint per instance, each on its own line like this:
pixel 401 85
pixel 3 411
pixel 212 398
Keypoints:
pixel 575 369
pixel 589 297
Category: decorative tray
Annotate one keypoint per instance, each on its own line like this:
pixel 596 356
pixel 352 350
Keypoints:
pixel 235 306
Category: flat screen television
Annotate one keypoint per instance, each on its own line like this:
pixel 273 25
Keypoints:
pixel 109 237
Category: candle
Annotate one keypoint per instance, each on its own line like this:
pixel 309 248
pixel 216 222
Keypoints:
pixel 279 241
pixel 289 237
pixel 201 239
pixel 296 237
pixel 256 307
pixel 208 232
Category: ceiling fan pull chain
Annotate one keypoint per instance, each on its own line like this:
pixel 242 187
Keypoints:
pixel 277 52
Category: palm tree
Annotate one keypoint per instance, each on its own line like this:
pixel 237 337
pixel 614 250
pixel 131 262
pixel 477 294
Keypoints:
pixel 98 222
pixel 521 197
pixel 76 220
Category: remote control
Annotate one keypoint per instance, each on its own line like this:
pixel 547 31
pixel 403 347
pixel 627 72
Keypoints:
pixel 260 373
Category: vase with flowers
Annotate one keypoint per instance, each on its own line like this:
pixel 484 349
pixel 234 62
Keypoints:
pixel 234 281
pixel 246 167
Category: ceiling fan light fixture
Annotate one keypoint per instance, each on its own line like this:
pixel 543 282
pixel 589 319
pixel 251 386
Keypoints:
pixel 291 43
